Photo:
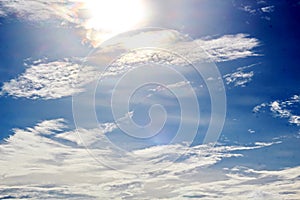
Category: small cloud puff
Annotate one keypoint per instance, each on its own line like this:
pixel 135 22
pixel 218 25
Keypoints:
pixel 282 109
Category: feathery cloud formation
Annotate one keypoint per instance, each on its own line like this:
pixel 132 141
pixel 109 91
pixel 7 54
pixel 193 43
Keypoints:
pixel 49 80
pixel 46 162
pixel 61 78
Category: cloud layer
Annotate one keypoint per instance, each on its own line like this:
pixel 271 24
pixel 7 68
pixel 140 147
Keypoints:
pixel 46 162
pixel 180 50
pixel 55 79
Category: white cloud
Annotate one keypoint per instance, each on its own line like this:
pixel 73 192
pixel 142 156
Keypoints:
pixel 267 9
pixel 295 119
pixel 179 50
pixel 47 127
pixel 251 131
pixel 37 10
pixel 259 8
pixel 277 109
pixel 49 80
pixel 248 9
pixel 240 77
pixel 45 162
pixel 261 2
pixel 230 47
pixel 282 109
pixel 258 108
pixel 61 78
pixel 160 89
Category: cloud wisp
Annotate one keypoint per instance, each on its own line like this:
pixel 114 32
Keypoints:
pixel 257 8
pixel 241 77
pixel 225 48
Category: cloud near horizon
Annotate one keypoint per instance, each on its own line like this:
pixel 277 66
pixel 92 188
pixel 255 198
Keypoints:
pixel 47 161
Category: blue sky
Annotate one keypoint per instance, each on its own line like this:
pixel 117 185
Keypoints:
pixel 68 70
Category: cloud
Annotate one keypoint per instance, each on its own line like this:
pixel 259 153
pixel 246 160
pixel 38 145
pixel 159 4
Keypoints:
pixel 225 48
pixel 49 80
pixel 75 13
pixel 267 9
pixel 257 8
pixel 46 162
pixel 251 131
pixel 69 12
pixel 37 10
pixel 230 47
pixel 282 109
pixel 240 77
pixel 161 89
pixel 173 49
pixel 61 78
pixel 248 9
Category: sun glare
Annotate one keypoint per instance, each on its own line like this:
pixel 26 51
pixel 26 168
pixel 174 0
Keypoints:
pixel 115 16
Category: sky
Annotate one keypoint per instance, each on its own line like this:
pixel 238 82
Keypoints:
pixel 139 99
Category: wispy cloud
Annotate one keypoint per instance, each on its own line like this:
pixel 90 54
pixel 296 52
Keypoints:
pixel 259 8
pixel 46 162
pixel 282 109
pixel 49 80
pixel 241 77
pixel 37 10
pixel 248 9
pixel 180 50
pixel 230 47
pixel 268 9
pixel 55 79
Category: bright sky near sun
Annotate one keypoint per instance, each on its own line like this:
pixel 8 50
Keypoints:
pixel 114 16
pixel 105 15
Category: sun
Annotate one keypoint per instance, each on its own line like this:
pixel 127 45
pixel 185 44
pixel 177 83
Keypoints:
pixel 114 16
